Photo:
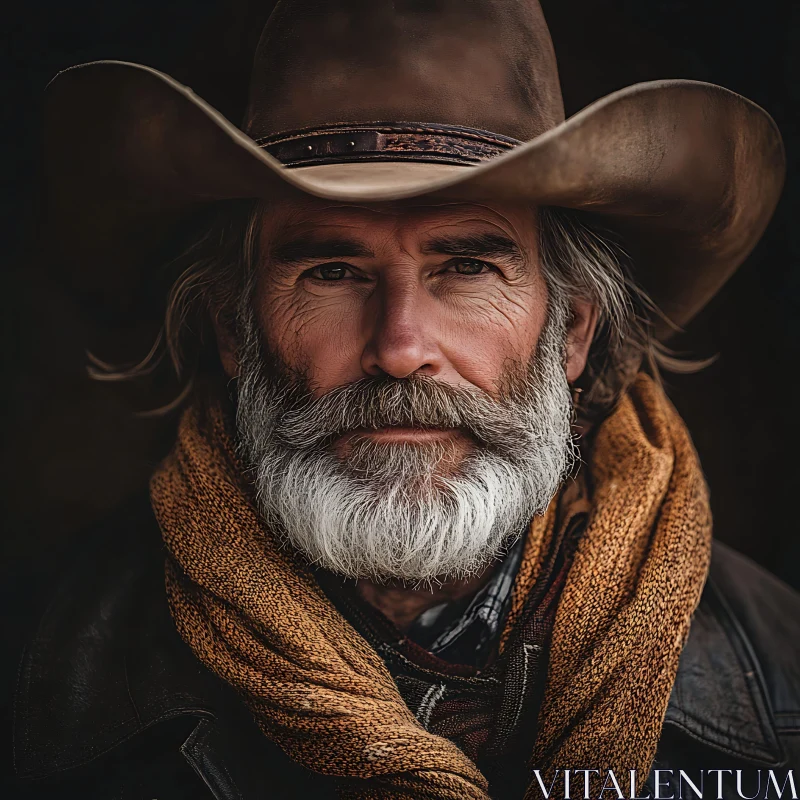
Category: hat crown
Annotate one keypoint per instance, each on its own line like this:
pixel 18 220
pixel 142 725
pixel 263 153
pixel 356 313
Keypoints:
pixel 483 64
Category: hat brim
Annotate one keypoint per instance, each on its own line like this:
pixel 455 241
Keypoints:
pixel 688 174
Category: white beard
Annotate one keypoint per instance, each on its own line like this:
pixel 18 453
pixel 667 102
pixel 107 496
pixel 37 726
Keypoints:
pixel 394 510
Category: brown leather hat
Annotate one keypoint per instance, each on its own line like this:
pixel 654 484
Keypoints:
pixel 378 100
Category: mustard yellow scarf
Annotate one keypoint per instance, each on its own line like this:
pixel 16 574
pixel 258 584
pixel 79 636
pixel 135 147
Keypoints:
pixel 253 613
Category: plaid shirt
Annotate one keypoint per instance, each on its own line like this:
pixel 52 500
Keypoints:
pixel 467 691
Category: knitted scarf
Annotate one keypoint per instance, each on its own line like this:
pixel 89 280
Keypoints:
pixel 254 614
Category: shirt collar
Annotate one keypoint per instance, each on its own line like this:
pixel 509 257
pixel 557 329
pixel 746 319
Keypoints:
pixel 474 630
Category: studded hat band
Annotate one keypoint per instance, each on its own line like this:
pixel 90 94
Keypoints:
pixel 412 141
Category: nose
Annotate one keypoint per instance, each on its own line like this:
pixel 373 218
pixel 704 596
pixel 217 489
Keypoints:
pixel 402 338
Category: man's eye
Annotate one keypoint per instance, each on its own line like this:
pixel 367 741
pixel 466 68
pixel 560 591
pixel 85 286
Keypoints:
pixel 470 266
pixel 329 272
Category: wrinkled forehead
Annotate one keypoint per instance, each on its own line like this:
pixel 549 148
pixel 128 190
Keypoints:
pixel 407 219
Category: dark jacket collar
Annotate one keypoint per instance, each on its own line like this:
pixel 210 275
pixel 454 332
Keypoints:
pixel 719 697
pixel 106 664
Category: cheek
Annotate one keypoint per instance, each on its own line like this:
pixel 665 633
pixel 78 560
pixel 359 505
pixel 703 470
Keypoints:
pixel 486 330
pixel 317 333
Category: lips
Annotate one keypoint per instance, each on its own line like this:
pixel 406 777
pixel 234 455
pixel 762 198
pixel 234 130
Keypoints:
pixel 404 433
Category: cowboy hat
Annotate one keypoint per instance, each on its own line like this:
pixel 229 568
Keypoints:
pixel 383 100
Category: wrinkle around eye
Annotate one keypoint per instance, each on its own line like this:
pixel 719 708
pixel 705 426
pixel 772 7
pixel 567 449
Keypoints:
pixel 488 297
pixel 293 316
pixel 454 284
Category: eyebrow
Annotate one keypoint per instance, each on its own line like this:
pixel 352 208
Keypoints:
pixel 476 245
pixel 298 251
pixel 468 245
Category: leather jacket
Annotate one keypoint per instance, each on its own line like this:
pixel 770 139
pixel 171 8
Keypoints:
pixel 111 704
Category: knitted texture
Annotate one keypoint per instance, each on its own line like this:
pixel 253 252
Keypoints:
pixel 253 613
pixel 634 584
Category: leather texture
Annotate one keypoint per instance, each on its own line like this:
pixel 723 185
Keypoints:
pixel 346 143
pixel 485 64
pixel 112 704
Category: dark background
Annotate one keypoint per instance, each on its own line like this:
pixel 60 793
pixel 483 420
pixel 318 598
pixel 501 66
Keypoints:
pixel 72 449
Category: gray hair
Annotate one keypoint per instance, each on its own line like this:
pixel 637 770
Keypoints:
pixel 579 259
pixel 582 260
pixel 397 510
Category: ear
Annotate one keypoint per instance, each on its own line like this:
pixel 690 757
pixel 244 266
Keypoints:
pixel 226 346
pixel 579 337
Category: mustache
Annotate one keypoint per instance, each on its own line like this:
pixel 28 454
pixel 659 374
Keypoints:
pixel 307 422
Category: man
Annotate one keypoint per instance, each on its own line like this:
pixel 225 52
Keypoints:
pixel 431 527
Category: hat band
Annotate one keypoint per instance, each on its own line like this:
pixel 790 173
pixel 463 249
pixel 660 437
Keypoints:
pixel 411 141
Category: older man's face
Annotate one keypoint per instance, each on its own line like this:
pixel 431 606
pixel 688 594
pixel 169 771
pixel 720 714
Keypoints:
pixel 451 291
pixel 403 397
